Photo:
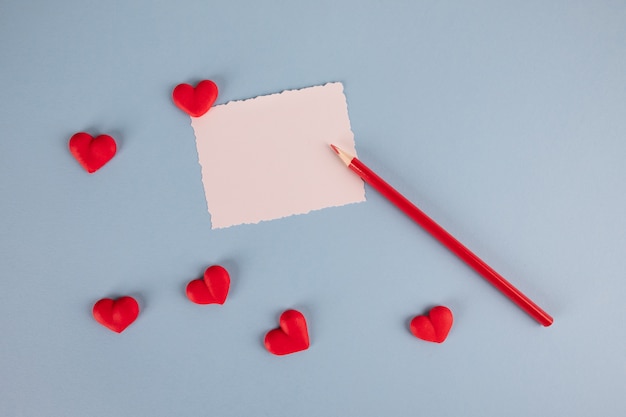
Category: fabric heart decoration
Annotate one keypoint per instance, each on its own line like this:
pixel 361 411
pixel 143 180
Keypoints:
pixel 92 153
pixel 212 288
pixel 292 335
pixel 195 101
pixel 117 314
pixel 435 326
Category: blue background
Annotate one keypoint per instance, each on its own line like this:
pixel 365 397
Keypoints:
pixel 505 121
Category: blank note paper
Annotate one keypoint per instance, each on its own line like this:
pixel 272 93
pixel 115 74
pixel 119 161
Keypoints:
pixel 269 157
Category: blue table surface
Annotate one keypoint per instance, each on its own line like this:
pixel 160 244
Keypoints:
pixel 504 121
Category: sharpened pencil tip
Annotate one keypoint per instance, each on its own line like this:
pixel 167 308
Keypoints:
pixel 343 155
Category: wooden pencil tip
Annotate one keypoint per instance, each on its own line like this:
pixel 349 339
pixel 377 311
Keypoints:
pixel 345 157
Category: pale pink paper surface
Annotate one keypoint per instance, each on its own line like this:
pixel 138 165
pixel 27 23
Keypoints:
pixel 269 157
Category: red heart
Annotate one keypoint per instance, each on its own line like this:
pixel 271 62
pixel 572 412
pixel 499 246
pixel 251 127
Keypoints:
pixel 92 153
pixel 118 314
pixel 195 101
pixel 292 336
pixel 211 289
pixel 435 326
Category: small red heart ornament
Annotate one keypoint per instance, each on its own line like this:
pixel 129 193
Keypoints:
pixel 117 314
pixel 92 153
pixel 212 288
pixel 195 101
pixel 292 335
pixel 435 326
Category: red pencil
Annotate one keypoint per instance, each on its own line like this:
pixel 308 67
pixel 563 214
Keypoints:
pixel 444 237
